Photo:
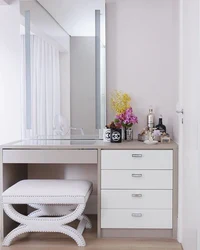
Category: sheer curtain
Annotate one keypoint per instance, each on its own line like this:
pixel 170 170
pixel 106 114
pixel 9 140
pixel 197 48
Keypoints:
pixel 45 87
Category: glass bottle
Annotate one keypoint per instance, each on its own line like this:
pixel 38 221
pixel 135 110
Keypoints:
pixel 150 119
pixel 161 126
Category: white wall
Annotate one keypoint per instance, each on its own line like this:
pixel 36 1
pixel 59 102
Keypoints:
pixel 189 171
pixel 142 56
pixel 10 125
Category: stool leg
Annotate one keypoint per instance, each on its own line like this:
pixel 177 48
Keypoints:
pixel 56 210
pixel 51 209
pixel 13 234
pixel 89 223
pixel 74 234
pixel 46 224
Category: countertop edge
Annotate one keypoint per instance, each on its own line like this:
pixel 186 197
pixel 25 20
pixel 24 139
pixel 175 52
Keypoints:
pixel 132 145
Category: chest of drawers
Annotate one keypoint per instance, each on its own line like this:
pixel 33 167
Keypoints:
pixel 137 189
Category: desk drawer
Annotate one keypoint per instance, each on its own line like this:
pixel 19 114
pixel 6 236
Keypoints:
pixel 142 199
pixel 136 179
pixel 131 218
pixel 137 159
pixel 50 156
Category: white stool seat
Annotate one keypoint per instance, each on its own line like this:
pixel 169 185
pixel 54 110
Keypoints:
pixel 57 203
pixel 48 191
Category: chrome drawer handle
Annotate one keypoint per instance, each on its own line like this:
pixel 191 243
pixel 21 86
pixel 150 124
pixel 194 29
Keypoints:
pixel 136 155
pixel 137 195
pixel 137 214
pixel 136 175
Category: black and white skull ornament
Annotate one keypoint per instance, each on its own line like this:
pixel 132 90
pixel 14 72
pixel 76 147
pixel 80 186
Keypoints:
pixel 107 134
pixel 116 135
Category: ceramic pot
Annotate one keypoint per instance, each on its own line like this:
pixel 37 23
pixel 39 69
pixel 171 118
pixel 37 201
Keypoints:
pixel 106 134
pixel 116 135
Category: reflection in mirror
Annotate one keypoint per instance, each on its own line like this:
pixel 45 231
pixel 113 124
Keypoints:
pixel 63 68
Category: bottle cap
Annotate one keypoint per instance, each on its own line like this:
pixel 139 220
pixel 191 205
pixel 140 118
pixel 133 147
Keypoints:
pixel 151 109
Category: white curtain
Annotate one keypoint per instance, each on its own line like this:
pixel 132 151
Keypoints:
pixel 45 87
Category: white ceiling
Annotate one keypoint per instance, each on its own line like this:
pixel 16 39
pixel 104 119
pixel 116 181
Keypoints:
pixel 77 17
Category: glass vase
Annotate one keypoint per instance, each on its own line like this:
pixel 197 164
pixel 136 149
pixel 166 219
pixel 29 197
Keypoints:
pixel 128 134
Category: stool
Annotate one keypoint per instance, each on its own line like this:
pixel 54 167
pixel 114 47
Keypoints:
pixel 51 198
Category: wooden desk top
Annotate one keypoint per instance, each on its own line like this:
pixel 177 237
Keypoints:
pixel 85 144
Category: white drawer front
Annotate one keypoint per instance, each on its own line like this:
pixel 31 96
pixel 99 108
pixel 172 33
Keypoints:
pixel 131 218
pixel 142 199
pixel 50 156
pixel 136 179
pixel 137 159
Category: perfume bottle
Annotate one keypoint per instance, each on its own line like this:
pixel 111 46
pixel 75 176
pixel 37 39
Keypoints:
pixel 161 126
pixel 150 119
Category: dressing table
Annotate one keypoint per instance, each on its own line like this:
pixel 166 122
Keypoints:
pixel 136 183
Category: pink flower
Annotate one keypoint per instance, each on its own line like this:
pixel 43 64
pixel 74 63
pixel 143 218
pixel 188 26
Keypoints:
pixel 126 119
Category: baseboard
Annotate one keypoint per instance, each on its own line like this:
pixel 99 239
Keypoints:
pixel 137 233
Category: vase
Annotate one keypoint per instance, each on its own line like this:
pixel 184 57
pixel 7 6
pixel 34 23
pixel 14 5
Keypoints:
pixel 106 134
pixel 116 135
pixel 128 134
pixel 123 134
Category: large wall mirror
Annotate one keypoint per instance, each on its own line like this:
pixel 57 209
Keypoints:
pixel 63 68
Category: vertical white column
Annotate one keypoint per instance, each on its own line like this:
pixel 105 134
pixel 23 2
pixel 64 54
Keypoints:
pixel 97 69
pixel 10 106
pixel 28 69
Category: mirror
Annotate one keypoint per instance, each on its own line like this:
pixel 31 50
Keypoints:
pixel 63 68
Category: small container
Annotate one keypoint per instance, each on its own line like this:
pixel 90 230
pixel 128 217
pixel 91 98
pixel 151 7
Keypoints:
pixel 157 138
pixel 129 134
pixel 106 134
pixel 165 139
pixel 116 135
pixel 143 137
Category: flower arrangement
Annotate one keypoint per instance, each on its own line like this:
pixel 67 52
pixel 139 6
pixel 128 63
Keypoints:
pixel 124 113
pixel 120 102
pixel 126 119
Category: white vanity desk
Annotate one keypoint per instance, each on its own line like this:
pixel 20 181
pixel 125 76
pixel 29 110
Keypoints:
pixel 136 183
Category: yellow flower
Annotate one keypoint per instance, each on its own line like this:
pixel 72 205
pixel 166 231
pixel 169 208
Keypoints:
pixel 120 102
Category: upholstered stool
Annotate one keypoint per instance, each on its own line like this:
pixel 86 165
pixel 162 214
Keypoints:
pixel 57 203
